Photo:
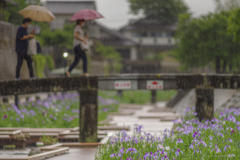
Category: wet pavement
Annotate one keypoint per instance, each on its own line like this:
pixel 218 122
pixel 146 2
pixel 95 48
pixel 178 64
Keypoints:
pixel 77 154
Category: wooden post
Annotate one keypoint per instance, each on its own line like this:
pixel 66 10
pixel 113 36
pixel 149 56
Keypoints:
pixel 88 115
pixel 154 96
pixel 204 103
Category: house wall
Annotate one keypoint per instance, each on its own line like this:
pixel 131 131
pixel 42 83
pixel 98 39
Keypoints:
pixel 60 21
pixel 149 40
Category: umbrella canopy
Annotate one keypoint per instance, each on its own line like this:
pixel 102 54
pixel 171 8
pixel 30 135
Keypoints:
pixel 37 13
pixel 86 14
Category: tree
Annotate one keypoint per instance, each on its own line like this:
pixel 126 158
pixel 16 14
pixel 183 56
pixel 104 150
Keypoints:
pixel 234 24
pixel 166 9
pixel 12 15
pixel 205 39
pixel 58 37
pixel 114 58
pixel 227 5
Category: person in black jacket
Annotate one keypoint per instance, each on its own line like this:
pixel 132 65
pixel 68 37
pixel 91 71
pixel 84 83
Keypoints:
pixel 22 47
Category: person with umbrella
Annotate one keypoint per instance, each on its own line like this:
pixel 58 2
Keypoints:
pixel 36 13
pixel 78 50
pixel 80 42
pixel 21 48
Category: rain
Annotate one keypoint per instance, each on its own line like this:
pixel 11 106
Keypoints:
pixel 119 79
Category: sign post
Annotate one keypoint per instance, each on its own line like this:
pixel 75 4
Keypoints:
pixel 153 86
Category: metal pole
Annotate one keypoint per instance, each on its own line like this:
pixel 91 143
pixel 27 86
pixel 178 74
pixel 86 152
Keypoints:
pixel 154 96
pixel 120 93
pixel 16 100
pixel 65 65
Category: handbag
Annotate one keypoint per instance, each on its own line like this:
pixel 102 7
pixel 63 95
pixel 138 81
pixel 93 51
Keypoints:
pixel 85 47
pixel 32 47
pixel 39 49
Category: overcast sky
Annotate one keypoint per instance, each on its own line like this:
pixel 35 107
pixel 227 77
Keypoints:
pixel 116 12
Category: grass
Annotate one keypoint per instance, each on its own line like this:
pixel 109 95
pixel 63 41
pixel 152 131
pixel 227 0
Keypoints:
pixel 63 111
pixel 212 140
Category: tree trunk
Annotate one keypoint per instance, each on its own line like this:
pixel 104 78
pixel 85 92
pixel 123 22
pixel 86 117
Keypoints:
pixel 224 67
pixel 111 66
pixel 218 66
pixel 230 68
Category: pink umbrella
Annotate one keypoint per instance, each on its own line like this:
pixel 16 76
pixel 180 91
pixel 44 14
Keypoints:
pixel 86 14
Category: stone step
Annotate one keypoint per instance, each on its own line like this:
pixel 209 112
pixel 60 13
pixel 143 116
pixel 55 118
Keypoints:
pixel 162 110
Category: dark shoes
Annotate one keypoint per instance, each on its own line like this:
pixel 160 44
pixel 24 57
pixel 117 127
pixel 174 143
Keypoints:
pixel 33 77
pixel 17 79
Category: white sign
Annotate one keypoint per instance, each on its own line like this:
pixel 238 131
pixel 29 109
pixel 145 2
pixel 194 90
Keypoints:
pixel 154 85
pixel 122 84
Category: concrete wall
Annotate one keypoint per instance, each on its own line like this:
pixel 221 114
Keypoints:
pixel 59 21
pixel 8 56
pixel 164 40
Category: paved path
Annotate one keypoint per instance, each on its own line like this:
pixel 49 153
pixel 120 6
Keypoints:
pixel 152 125
pixel 77 154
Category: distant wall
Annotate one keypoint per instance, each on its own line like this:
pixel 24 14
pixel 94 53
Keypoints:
pixel 8 56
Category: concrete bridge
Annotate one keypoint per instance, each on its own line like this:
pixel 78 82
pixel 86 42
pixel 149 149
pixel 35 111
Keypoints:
pixel 88 88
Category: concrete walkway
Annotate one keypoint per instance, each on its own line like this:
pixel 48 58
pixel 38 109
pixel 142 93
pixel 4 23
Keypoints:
pixel 151 123
pixel 77 154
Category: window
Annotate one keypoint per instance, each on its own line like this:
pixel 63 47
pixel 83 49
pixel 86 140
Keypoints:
pixel 136 34
pixel 154 34
pixel 144 34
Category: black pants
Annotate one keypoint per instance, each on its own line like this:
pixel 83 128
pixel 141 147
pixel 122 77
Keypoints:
pixel 79 53
pixel 20 57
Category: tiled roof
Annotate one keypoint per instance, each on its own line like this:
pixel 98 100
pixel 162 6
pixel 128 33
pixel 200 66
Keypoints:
pixel 116 34
pixel 156 24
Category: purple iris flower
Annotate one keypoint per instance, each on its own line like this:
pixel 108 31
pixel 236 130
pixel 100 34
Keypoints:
pixel 191 146
pixel 179 141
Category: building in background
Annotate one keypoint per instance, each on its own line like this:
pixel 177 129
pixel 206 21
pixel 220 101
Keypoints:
pixel 140 43
pixel 64 10
pixel 153 34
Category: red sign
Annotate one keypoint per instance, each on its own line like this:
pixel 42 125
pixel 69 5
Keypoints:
pixel 155 85
pixel 122 84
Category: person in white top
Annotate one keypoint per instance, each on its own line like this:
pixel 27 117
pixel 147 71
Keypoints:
pixel 78 51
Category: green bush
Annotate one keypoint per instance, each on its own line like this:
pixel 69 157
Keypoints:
pixel 40 62
pixel 114 57
pixel 50 62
